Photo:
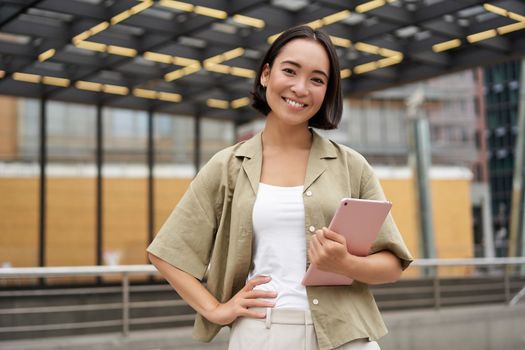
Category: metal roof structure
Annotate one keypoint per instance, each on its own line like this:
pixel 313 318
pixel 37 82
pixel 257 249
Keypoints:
pixel 198 57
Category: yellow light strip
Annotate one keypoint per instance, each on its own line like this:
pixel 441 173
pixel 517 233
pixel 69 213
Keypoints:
pixel 215 103
pixel 229 55
pixel 495 9
pixel 176 74
pixel 141 7
pixel 144 93
pixel 364 68
pixel 242 72
pixel 2 73
pixel 182 61
pixel 389 61
pixel 240 102
pixel 510 28
pixel 169 97
pixel 56 81
pixel 26 77
pixel 115 89
pixel 81 37
pixel 446 45
pixel 249 21
pixel 371 5
pixel 46 55
pixel 99 28
pixel 516 17
pixel 121 17
pixel 318 23
pixel 121 51
pixel 345 73
pixel 387 52
pixel 272 38
pixel 487 34
pixel 208 11
pixel 218 68
pixel 177 5
pixel 158 57
pixel 179 73
pixel 88 85
pixel 340 41
pixel 367 48
pixel 336 17
pixel 89 45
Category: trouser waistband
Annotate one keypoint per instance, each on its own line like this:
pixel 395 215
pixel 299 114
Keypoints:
pixel 286 316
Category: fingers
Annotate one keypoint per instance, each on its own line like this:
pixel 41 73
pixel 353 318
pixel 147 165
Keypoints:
pixel 257 280
pixel 333 236
pixel 253 314
pixel 254 294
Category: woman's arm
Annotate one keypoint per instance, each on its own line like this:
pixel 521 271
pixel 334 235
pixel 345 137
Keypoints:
pixel 328 252
pixel 199 298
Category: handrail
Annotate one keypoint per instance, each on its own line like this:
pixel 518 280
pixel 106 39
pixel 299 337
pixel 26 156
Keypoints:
pixel 17 272
pixel 125 271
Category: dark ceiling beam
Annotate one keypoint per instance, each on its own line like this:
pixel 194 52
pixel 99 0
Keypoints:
pixel 9 15
pixel 393 14
pixel 76 8
pixel 438 10
pixel 430 57
pixel 448 30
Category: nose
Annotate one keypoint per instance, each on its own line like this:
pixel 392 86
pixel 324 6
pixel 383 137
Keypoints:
pixel 299 87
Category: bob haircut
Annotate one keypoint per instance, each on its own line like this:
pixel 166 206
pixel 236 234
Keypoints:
pixel 329 114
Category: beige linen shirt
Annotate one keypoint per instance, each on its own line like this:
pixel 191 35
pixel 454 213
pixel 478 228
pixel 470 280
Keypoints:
pixel 210 233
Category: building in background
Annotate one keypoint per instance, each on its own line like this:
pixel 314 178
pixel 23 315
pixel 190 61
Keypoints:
pixel 502 90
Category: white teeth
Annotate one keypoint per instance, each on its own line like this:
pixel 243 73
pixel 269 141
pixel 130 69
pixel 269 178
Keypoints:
pixel 293 103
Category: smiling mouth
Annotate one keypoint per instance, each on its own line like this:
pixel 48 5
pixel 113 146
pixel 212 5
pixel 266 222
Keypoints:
pixel 294 103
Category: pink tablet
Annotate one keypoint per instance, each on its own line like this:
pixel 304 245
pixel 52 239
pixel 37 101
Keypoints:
pixel 359 220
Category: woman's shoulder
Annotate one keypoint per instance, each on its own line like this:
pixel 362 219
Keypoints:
pixel 347 153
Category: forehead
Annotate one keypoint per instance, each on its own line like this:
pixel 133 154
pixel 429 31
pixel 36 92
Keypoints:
pixel 308 53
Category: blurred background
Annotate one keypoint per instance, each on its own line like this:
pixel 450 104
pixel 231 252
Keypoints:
pixel 108 108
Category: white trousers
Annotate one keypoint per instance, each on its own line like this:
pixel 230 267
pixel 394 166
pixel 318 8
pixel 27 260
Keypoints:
pixel 283 329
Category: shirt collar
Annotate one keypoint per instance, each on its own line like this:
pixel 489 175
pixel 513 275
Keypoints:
pixel 251 152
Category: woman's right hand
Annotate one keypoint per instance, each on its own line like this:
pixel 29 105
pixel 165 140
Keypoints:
pixel 240 304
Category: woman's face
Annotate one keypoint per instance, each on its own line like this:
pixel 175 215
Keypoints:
pixel 296 84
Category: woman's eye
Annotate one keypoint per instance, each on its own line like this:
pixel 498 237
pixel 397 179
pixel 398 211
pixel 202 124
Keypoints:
pixel 318 80
pixel 288 71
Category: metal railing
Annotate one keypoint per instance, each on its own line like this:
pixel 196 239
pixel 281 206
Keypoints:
pixel 506 276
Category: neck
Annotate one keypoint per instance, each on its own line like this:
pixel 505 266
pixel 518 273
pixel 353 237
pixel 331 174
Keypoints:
pixel 276 134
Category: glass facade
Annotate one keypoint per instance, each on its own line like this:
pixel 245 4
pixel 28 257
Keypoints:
pixel 502 94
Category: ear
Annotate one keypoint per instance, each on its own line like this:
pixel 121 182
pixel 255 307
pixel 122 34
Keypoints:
pixel 265 75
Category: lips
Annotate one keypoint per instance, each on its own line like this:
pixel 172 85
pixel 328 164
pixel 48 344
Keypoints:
pixel 294 103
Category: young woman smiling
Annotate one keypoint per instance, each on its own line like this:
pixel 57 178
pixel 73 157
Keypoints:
pixel 255 217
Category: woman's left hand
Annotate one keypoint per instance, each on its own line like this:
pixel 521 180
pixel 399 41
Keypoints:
pixel 328 252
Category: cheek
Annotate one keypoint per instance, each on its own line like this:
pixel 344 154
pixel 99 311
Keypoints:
pixel 319 96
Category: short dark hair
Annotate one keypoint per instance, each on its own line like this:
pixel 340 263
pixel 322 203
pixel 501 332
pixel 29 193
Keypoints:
pixel 329 114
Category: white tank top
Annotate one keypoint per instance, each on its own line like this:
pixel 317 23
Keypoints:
pixel 279 243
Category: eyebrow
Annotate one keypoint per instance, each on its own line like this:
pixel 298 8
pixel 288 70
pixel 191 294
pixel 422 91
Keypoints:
pixel 293 63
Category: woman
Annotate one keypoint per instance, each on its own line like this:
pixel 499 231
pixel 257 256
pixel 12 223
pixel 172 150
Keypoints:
pixel 256 214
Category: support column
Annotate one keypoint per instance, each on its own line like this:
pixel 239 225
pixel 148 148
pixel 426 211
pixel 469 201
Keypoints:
pixel 197 143
pixel 517 226
pixel 43 180
pixel 420 160
pixel 151 183
pixel 99 160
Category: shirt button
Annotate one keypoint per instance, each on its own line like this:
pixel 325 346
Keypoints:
pixel 309 193
pixel 311 228
pixel 315 301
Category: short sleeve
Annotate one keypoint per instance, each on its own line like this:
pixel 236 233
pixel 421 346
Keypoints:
pixel 186 238
pixel 389 237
